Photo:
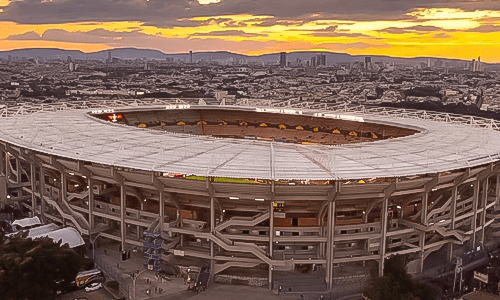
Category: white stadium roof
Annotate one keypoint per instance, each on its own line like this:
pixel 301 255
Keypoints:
pixel 445 142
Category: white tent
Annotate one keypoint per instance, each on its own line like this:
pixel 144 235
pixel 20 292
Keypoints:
pixel 27 222
pixel 42 230
pixel 68 236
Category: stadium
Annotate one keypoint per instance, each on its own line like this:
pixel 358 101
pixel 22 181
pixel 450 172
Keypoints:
pixel 257 189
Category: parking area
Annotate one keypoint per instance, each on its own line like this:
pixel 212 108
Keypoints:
pixel 100 294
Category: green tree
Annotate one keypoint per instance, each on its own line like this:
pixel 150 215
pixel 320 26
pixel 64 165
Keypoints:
pixel 397 284
pixel 36 269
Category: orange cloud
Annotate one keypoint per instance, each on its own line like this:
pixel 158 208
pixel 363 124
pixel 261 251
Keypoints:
pixel 451 33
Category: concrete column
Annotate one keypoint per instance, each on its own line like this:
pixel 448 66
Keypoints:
pixel 162 210
pixel 453 209
pixel 383 238
pixel 330 237
pixel 138 233
pixel 33 188
pixel 42 191
pixel 271 229
pixel 497 189
pixel 90 183
pixel 64 186
pixel 123 227
pixel 7 166
pixel 423 220
pixel 271 241
pixel 474 216
pixel 18 170
pixel 212 226
pixel 2 164
pixel 483 206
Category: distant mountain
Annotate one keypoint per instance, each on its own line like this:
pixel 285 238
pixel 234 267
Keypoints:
pixel 135 53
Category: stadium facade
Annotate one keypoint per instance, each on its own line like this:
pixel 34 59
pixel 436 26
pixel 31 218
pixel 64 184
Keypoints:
pixel 256 186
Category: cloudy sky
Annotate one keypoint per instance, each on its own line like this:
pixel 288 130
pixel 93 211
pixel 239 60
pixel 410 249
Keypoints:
pixel 441 28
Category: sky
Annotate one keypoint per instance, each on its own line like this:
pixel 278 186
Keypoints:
pixel 463 29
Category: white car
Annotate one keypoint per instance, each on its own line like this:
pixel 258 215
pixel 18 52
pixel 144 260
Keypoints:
pixel 93 287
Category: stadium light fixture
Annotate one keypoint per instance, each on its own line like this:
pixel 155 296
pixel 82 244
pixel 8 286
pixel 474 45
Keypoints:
pixel 72 174
pixel 434 189
pixel 234 198
pixel 442 221
pixel 399 207
pixel 260 199
pixel 8 196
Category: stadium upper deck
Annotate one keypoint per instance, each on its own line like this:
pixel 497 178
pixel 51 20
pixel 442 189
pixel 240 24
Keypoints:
pixel 444 142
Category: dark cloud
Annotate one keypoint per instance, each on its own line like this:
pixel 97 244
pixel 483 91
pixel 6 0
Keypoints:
pixel 441 35
pixel 331 31
pixel 485 28
pixel 31 35
pixel 418 29
pixel 166 13
pixel 141 40
pixel 358 45
pixel 227 33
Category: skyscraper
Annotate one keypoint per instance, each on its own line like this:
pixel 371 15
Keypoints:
pixel 190 57
pixel 368 62
pixel 313 62
pixel 110 59
pixel 283 59
pixel 478 68
pixel 472 66
pixel 321 59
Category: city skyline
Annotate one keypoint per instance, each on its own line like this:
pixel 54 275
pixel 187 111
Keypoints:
pixel 441 29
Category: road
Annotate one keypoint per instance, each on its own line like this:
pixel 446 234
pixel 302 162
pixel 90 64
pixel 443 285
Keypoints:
pixel 100 294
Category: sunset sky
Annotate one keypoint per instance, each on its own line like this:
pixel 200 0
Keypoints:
pixel 440 28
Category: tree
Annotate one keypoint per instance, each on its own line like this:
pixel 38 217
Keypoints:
pixel 36 269
pixel 397 284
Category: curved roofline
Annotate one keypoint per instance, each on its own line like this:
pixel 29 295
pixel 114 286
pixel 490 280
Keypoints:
pixel 446 142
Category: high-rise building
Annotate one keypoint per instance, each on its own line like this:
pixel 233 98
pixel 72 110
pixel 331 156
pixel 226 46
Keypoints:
pixel 473 65
pixel 110 58
pixel 321 59
pixel 368 62
pixel 478 67
pixel 69 59
pixel 428 63
pixel 71 67
pixel 313 62
pixel 10 57
pixel 190 57
pixel 283 59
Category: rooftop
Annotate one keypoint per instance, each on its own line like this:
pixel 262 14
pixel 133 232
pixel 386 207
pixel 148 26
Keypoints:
pixel 445 142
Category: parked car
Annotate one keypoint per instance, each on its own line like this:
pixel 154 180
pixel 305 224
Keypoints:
pixel 494 254
pixel 93 287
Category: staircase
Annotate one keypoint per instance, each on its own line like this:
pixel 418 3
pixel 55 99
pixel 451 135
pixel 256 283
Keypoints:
pixel 442 231
pixel 227 245
pixel 78 195
pixel 242 221
pixel 67 213
pixel 221 267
